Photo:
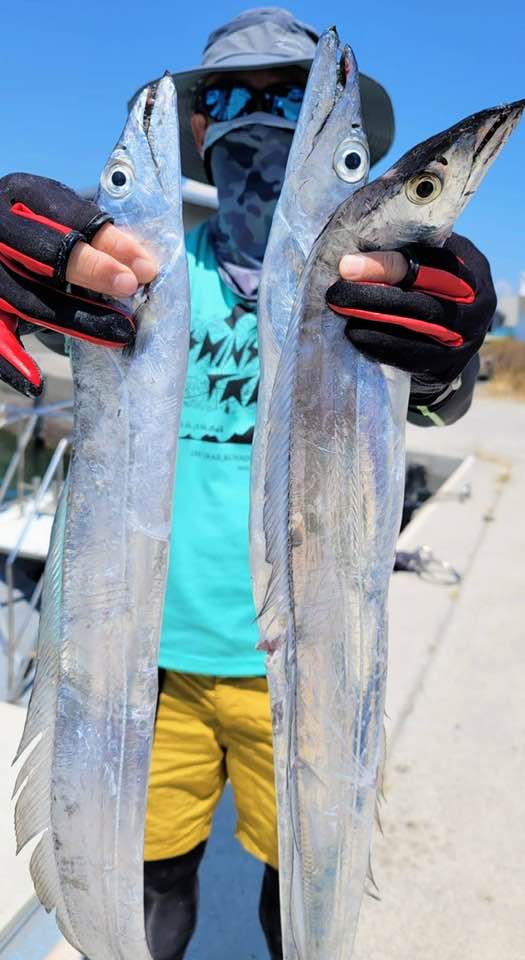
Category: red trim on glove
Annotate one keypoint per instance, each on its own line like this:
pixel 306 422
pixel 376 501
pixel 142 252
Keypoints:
pixel 36 266
pixel 75 335
pixel 442 284
pixel 4 305
pixel 12 351
pixel 24 273
pixel 16 268
pixel 20 210
pixel 433 330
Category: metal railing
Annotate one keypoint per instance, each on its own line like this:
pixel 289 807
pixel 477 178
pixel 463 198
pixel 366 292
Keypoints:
pixel 31 502
pixel 14 637
pixel 9 415
pixel 17 462
pixel 13 413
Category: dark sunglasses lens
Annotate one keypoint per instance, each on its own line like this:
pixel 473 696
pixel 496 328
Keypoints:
pixel 213 101
pixel 228 103
pixel 238 100
pixel 225 103
pixel 286 103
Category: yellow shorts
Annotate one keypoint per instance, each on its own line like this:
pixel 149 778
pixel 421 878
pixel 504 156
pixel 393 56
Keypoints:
pixel 209 730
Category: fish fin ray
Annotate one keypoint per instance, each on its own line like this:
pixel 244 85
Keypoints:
pixel 373 894
pixel 33 806
pixel 31 815
pixel 382 764
pixel 45 877
pixel 275 610
pixel 380 790
pixel 44 874
pixel 39 754
pixel 370 873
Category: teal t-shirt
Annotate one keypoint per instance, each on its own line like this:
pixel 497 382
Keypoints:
pixel 209 617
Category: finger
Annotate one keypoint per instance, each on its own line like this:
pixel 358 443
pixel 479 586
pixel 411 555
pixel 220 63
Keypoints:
pixel 387 266
pixel 98 271
pixel 125 248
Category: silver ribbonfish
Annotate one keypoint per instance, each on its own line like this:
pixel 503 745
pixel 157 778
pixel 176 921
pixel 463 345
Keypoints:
pixel 90 722
pixel 328 161
pixel 334 491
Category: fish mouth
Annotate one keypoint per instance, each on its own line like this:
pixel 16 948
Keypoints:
pixel 344 70
pixel 347 88
pixel 493 133
pixel 157 98
pixel 492 129
pixel 327 52
pixel 470 145
pixel 149 106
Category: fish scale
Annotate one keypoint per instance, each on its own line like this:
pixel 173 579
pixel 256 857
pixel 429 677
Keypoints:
pixel 94 699
pixel 334 482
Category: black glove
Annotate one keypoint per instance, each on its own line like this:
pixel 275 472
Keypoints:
pixel 40 222
pixel 432 323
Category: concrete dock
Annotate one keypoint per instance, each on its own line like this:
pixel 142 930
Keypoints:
pixel 451 865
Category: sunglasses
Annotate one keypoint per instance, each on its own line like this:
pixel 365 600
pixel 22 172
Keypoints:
pixel 227 101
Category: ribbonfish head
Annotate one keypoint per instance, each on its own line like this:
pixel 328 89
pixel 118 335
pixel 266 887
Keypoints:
pixel 423 194
pixel 140 185
pixel 144 164
pixel 329 159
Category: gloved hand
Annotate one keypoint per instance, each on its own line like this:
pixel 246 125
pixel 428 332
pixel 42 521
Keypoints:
pixel 432 322
pixel 45 236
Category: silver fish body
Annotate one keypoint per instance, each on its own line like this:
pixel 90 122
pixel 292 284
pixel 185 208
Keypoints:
pixel 334 490
pixel 93 704
pixel 328 161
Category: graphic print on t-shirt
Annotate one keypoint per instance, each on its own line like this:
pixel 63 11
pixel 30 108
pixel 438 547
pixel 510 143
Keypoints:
pixel 222 379
pixel 209 623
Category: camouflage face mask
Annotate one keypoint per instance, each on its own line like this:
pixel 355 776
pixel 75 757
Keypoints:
pixel 248 165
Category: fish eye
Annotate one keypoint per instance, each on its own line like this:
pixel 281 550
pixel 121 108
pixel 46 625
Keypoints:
pixel 423 188
pixel 117 180
pixel 351 161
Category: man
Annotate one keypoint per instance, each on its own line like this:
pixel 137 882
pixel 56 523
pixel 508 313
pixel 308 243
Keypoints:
pixel 238 113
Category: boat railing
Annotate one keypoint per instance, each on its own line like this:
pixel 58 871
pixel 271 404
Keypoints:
pixel 17 463
pixel 32 499
pixel 14 636
pixel 11 415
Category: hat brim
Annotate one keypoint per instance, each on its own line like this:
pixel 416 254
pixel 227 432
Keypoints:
pixel 378 114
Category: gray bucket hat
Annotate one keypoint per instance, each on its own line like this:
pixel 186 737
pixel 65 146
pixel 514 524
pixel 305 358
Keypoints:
pixel 262 38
